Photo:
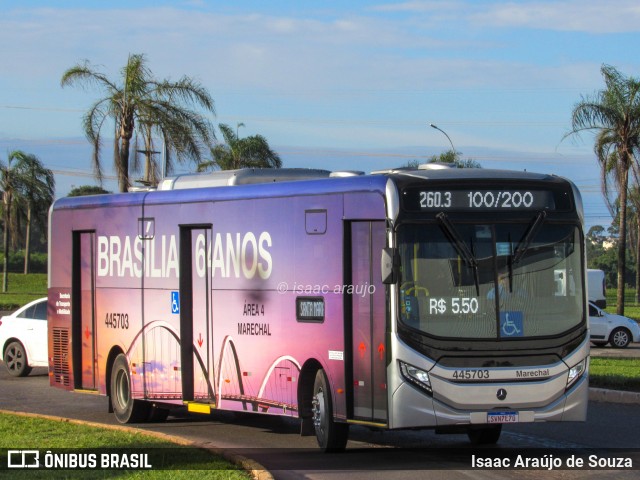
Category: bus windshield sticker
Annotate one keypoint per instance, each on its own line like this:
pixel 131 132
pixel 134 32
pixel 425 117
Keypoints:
pixel 511 324
pixel 336 355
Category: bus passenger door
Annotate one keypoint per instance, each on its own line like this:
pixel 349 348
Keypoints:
pixel 196 336
pixel 368 349
pixel 83 311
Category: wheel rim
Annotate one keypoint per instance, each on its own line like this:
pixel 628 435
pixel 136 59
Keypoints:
pixel 318 411
pixel 620 338
pixel 14 358
pixel 122 389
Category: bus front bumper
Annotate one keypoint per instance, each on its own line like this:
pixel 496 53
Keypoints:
pixel 414 409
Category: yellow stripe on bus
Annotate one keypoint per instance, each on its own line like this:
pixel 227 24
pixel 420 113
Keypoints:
pixel 199 408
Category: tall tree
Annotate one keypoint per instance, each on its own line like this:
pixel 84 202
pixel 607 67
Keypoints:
pixel 613 114
pixel 7 186
pixel 138 100
pixel 37 186
pixel 20 178
pixel 248 152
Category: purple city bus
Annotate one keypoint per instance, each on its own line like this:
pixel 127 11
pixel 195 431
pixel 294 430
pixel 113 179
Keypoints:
pixel 408 298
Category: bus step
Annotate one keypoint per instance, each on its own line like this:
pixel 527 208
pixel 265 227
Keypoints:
pixel 89 392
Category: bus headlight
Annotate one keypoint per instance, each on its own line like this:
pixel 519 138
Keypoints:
pixel 416 376
pixel 576 372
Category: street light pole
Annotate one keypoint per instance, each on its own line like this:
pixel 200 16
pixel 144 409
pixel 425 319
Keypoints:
pixel 432 125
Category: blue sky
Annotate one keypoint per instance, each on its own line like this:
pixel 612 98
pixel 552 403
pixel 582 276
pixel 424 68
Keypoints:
pixel 333 84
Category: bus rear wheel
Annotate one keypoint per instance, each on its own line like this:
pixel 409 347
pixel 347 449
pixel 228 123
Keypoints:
pixel 331 436
pixel 125 408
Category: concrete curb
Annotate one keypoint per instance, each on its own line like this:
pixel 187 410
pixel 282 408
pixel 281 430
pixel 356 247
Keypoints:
pixel 613 396
pixel 256 470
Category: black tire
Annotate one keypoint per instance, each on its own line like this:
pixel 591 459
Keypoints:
pixel 125 408
pixel 15 359
pixel 620 338
pixel 331 436
pixel 488 435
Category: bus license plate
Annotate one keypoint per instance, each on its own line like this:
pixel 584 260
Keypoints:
pixel 502 417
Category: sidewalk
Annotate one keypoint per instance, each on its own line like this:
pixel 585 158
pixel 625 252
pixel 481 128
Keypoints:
pixel 614 396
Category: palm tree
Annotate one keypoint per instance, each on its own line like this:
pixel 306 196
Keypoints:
pixel 10 183
pixel 37 193
pixel 633 218
pixel 614 115
pixel 6 184
pixel 247 152
pixel 138 100
pixel 27 192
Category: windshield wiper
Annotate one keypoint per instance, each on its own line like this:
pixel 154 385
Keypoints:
pixel 523 246
pixel 461 248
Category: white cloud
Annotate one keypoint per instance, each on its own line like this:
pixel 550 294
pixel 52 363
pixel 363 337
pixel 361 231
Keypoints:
pixel 249 50
pixel 589 16
pixel 421 6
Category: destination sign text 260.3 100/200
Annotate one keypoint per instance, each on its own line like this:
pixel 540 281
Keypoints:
pixel 485 200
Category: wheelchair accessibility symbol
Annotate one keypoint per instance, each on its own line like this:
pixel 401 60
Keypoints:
pixel 175 303
pixel 511 324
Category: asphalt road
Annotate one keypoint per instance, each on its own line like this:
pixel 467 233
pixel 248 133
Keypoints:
pixel 276 444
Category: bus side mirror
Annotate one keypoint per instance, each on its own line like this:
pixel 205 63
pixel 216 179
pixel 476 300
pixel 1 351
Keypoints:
pixel 389 266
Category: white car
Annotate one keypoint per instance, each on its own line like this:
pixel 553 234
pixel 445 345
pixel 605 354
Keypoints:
pixel 606 328
pixel 23 338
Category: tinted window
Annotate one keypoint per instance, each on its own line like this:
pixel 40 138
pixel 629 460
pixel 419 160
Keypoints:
pixel 37 311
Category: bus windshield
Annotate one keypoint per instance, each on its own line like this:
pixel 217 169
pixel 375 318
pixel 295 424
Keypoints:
pixel 490 280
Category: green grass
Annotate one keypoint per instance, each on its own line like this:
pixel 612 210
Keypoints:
pixel 631 311
pixel 615 373
pixel 168 459
pixel 631 308
pixel 23 289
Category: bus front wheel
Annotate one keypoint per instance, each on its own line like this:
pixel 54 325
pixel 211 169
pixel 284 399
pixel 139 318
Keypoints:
pixel 331 436
pixel 125 408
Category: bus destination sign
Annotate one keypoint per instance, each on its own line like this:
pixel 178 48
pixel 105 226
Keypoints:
pixel 479 200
